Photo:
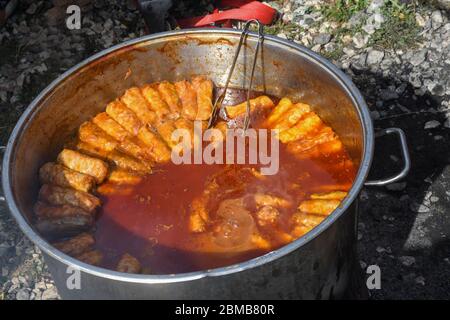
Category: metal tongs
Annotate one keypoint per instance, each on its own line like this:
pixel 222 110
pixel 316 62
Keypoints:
pixel 219 101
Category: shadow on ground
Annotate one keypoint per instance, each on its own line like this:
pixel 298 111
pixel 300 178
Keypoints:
pixel 405 228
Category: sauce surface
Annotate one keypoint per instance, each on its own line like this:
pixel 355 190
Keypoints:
pixel 150 220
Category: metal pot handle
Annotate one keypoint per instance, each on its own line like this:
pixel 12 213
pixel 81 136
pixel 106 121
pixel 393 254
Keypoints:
pixel 405 156
pixel 2 150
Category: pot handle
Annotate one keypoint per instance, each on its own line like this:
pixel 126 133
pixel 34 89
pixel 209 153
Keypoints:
pixel 405 156
pixel 2 150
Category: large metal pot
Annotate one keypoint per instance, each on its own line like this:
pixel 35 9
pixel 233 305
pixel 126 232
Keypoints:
pixel 318 265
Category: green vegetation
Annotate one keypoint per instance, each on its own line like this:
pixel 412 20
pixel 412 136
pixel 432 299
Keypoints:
pixel 288 28
pixel 400 29
pixel 342 10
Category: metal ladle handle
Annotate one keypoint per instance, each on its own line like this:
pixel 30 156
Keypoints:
pixel 405 156
pixel 218 103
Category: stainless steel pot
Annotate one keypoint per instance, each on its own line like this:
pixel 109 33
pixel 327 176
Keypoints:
pixel 318 265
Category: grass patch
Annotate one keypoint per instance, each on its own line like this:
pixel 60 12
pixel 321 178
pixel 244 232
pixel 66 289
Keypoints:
pixel 335 54
pixel 399 30
pixel 288 28
pixel 342 10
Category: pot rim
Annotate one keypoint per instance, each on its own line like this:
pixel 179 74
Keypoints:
pixel 339 76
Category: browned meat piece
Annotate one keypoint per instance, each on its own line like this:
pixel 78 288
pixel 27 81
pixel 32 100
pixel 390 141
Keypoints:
pixel 169 94
pixel 128 264
pixel 158 149
pixel 319 206
pixel 82 163
pixel 120 176
pixel 93 135
pixel 304 223
pixel 304 127
pixel 324 150
pixel 76 245
pixel 45 211
pixel 93 257
pixel 121 160
pixel 53 173
pixel 136 102
pixel 291 116
pixel 261 102
pixel 262 199
pixel 204 89
pixel 157 104
pixel 165 131
pixel 107 189
pixel 64 226
pixel 65 220
pixel 199 214
pixel 188 97
pixel 188 125
pixel 124 116
pixel 336 195
pixel 59 196
pixel 325 135
pixel 260 242
pixel 111 126
pixel 282 106
pixel 267 215
pixel 127 143
pixel 136 148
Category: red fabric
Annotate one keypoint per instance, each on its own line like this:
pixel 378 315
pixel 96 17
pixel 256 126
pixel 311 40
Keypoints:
pixel 244 10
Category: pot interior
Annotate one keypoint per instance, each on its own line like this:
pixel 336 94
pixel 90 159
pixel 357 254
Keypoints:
pixel 282 70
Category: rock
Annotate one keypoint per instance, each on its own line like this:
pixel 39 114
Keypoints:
pixel 22 294
pixel 375 6
pixel 444 4
pixel 436 19
pixel 322 38
pixel 388 94
pixel 55 16
pixel 356 19
pixel 360 40
pixel 369 29
pixel 447 123
pixel 375 115
pixel 420 280
pixel 420 20
pixel 432 124
pixel 436 89
pixel 374 57
pixel 434 199
pixel 50 294
pixel 407 260
pixel 373 23
pixel 32 8
pixel 419 57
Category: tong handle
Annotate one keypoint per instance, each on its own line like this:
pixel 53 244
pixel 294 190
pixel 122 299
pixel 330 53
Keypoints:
pixel 218 103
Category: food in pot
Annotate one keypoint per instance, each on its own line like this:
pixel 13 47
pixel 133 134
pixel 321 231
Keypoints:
pixel 114 198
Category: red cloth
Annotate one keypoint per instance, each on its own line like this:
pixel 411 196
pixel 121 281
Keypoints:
pixel 244 10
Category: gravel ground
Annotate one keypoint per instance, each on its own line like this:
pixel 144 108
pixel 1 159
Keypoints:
pixel 401 65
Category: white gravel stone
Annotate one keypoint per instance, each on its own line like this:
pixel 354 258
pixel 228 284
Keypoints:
pixel 432 124
pixel 436 19
pixel 407 260
pixel 374 57
pixel 419 57
pixel 50 294
pixel 22 294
